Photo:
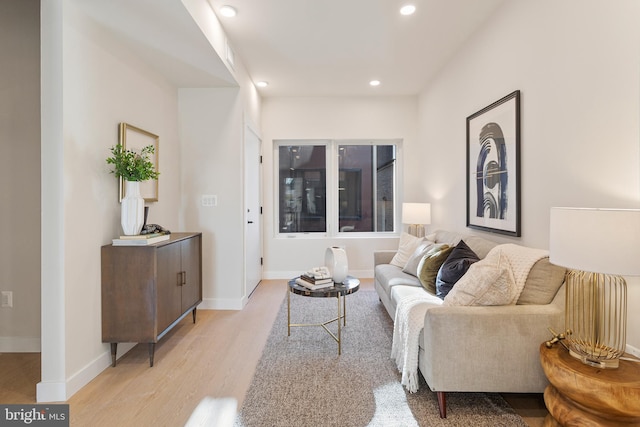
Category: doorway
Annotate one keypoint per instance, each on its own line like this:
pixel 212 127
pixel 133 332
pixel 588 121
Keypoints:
pixel 253 210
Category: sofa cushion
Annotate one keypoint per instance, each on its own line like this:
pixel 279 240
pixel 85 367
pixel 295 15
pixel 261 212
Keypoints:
pixel 411 267
pixel 454 267
pixel 477 244
pixel 388 275
pixel 400 292
pixel 430 264
pixel 406 247
pixel 542 283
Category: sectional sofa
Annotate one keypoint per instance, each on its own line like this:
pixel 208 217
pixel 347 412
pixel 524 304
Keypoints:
pixel 468 345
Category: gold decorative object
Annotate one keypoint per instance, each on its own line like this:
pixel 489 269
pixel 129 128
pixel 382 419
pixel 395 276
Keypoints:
pixel 599 246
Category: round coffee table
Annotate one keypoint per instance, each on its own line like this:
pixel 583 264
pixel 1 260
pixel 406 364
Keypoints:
pixel 339 291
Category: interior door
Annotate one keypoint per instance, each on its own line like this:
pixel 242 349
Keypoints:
pixel 253 216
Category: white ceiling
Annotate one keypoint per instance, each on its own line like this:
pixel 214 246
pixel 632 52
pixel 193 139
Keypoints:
pixel 335 47
pixel 301 47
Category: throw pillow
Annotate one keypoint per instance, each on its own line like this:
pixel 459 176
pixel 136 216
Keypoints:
pixel 542 283
pixel 411 267
pixel 489 281
pixel 430 264
pixel 454 267
pixel 406 247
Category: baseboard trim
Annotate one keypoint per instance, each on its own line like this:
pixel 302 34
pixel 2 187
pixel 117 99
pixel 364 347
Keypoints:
pixel 20 345
pixel 222 304
pixel 633 350
pixel 62 391
pixel 51 392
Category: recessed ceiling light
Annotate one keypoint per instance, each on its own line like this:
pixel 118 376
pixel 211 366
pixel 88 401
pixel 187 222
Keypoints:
pixel 228 11
pixel 407 9
pixel 262 84
pixel 374 83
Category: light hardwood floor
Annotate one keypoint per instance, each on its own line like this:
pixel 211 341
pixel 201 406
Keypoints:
pixel 216 357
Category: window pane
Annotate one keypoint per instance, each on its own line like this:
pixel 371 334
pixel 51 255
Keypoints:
pixel 385 196
pixel 303 188
pixel 366 187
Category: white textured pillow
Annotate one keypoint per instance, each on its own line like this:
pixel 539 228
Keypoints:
pixel 406 247
pixel 489 281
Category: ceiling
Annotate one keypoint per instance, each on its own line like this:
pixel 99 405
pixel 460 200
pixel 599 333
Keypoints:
pixel 335 47
pixel 301 47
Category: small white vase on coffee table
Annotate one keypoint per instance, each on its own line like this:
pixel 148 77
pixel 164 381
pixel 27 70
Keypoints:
pixel 335 259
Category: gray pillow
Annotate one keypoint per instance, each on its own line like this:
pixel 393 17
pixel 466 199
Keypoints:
pixel 411 267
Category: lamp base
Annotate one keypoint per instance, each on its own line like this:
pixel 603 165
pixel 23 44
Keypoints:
pixel 416 230
pixel 594 362
pixel 596 318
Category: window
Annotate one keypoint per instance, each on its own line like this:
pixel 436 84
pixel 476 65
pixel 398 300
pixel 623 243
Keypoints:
pixel 354 194
pixel 303 188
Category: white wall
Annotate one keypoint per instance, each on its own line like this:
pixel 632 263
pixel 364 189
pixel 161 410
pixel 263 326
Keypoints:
pixel 20 174
pixel 211 133
pixel 212 126
pixel 332 118
pixel 102 85
pixel 93 81
pixel 576 64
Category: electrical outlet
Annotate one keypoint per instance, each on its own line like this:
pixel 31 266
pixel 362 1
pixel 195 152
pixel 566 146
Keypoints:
pixel 7 299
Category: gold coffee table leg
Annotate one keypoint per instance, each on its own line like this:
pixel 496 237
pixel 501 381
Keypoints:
pixel 344 311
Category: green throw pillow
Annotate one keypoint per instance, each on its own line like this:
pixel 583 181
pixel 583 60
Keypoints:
pixel 430 264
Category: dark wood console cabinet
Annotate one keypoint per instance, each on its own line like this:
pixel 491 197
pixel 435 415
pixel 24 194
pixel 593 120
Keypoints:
pixel 146 290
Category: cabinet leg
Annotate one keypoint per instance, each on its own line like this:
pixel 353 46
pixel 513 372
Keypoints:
pixel 152 350
pixel 193 314
pixel 114 349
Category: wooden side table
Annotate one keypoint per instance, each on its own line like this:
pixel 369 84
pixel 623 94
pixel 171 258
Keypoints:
pixel 581 395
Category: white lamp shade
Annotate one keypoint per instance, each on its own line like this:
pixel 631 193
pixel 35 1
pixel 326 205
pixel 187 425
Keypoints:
pixel 596 240
pixel 416 213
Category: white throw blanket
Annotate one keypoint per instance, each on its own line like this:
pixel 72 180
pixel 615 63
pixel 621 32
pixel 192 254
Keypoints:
pixel 407 325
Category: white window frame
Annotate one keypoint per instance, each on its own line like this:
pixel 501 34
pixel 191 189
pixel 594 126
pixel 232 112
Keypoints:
pixel 332 176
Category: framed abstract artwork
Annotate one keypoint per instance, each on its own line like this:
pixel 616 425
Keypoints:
pixel 493 167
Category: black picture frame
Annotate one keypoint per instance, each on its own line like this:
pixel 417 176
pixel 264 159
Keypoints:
pixel 493 167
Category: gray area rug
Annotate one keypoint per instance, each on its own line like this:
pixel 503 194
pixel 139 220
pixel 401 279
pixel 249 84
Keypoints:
pixel 301 381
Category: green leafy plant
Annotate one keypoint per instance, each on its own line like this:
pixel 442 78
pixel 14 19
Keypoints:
pixel 131 165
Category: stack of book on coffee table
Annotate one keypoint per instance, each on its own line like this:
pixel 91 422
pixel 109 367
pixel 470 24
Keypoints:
pixel 316 278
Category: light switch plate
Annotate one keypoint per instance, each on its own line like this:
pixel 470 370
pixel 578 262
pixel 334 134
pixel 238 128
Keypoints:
pixel 7 299
pixel 209 200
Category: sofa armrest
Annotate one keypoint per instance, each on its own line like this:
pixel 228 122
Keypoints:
pixel 488 348
pixel 383 257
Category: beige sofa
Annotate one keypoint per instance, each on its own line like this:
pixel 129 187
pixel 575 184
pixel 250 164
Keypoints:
pixel 480 348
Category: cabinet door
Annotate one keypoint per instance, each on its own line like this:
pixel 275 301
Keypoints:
pixel 191 265
pixel 169 285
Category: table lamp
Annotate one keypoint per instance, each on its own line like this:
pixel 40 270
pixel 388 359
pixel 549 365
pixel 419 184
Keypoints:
pixel 598 246
pixel 416 214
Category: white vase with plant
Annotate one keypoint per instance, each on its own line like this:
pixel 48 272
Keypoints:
pixel 133 167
